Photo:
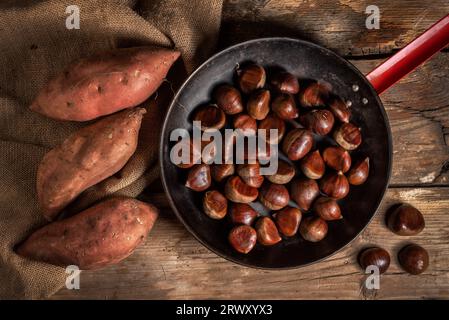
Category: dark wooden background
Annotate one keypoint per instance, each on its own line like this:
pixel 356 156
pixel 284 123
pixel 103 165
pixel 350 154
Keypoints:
pixel 172 264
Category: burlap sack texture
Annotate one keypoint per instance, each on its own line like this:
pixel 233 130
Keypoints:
pixel 35 44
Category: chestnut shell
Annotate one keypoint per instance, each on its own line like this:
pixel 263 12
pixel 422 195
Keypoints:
pixel 375 256
pixel 406 220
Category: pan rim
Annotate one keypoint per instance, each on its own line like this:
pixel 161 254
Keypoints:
pixel 225 51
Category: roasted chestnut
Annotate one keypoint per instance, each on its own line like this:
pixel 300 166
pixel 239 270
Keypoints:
pixel 414 259
pixel 337 158
pixel 313 229
pixel 194 153
pixel 250 174
pixel 284 173
pixel 335 185
pixel 327 208
pixel 348 136
pixel 319 121
pixel 340 109
pixel 375 257
pixel 267 233
pixel 208 151
pixel 258 105
pixel 198 178
pixel 228 99
pixel 285 82
pixel 284 106
pixel 314 95
pixel 406 220
pixel 359 172
pixel 245 123
pixel 304 191
pixel 238 191
pixel 288 220
pixel 215 204
pixel 221 171
pixel 312 165
pixel 211 117
pixel 243 238
pixel 273 122
pixel 297 143
pixel 251 77
pixel 274 196
pixel 242 213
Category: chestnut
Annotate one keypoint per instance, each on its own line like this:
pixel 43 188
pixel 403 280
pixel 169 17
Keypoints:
pixel 359 172
pixel 267 233
pixel 284 173
pixel 348 136
pixel 312 165
pixel 221 171
pixel 238 191
pixel 414 259
pixel 288 220
pixel 258 105
pixel 327 208
pixel 406 220
pixel 194 153
pixel 340 109
pixel 314 95
pixel 211 117
pixel 297 143
pixel 273 122
pixel 242 213
pixel 215 204
pixel 284 106
pixel 251 77
pixel 285 82
pixel 274 196
pixel 228 99
pixel 375 256
pixel 250 174
pixel 208 151
pixel 304 191
pixel 245 123
pixel 319 121
pixel 337 158
pixel 335 185
pixel 199 178
pixel 243 238
pixel 313 229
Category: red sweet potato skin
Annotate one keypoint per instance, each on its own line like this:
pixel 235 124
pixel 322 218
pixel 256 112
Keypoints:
pixel 104 83
pixel 85 158
pixel 97 237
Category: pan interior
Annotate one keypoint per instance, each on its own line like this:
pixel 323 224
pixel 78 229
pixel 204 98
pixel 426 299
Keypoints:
pixel 307 62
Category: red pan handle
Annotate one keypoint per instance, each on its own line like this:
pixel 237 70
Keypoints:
pixel 411 56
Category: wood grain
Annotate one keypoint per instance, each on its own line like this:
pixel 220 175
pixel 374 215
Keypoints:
pixel 173 265
pixel 418 110
pixel 338 25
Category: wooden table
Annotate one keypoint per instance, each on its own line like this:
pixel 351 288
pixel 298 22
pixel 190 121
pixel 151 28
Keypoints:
pixel 173 265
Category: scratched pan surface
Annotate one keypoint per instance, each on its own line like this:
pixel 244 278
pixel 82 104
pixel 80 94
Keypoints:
pixel 306 61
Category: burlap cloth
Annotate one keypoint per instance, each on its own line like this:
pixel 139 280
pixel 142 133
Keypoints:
pixel 34 45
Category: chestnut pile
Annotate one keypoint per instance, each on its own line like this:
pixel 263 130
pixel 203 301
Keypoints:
pixel 315 174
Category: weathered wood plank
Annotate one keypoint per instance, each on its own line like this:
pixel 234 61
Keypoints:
pixel 338 25
pixel 418 110
pixel 173 265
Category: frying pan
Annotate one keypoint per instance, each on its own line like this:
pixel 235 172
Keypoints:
pixel 306 61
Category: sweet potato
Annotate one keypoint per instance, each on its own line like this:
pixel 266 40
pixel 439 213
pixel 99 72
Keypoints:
pixel 99 236
pixel 85 158
pixel 104 83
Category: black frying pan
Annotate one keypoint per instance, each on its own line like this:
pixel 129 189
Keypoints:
pixel 306 61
